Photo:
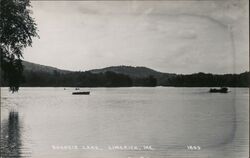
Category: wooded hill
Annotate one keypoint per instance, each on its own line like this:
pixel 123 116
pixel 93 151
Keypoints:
pixel 124 76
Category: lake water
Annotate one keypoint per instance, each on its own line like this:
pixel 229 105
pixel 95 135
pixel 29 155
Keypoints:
pixel 154 122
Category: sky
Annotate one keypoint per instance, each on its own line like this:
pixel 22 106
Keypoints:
pixel 168 36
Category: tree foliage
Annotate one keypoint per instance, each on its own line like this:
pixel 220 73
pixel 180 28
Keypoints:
pixel 17 28
pixel 83 79
pixel 112 79
pixel 210 80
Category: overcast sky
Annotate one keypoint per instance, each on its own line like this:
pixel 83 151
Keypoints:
pixel 168 36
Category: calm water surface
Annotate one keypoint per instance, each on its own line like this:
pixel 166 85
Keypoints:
pixel 167 119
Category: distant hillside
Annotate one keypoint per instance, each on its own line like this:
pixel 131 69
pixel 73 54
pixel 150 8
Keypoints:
pixel 129 70
pixel 134 72
pixel 124 76
pixel 28 66
pixel 137 72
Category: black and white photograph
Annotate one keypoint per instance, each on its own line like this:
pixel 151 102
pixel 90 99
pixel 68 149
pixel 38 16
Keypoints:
pixel 124 79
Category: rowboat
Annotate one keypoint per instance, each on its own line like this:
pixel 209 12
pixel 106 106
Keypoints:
pixel 221 90
pixel 80 93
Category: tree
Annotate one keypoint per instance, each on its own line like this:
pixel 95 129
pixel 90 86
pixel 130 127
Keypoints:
pixel 17 28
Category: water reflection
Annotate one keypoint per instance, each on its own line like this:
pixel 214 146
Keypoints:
pixel 11 142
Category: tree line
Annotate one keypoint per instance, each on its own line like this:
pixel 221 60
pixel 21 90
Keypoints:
pixel 82 79
pixel 209 80
pixel 112 79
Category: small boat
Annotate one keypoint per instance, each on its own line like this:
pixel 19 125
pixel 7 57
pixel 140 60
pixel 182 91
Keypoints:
pixel 77 88
pixel 80 93
pixel 221 90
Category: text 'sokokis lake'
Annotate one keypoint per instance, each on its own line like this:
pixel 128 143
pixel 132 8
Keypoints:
pixel 156 122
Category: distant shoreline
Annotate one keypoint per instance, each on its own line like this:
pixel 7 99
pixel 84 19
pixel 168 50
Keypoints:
pixel 125 76
pixel 122 87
